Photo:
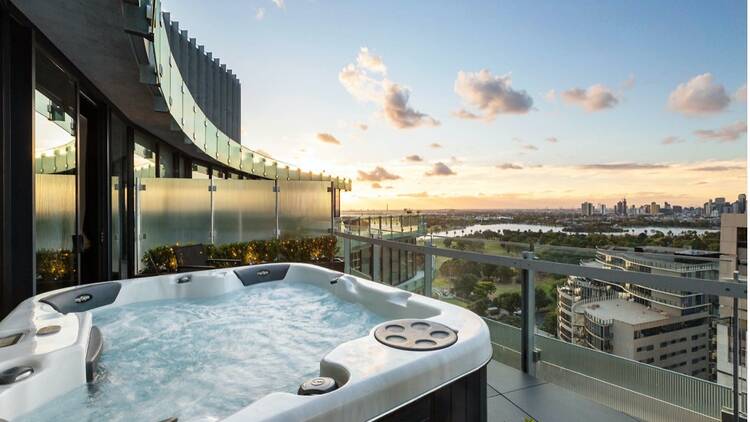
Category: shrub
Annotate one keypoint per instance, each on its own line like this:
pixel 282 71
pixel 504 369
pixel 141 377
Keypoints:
pixel 162 259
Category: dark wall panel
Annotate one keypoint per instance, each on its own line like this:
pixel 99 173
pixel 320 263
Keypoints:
pixel 16 139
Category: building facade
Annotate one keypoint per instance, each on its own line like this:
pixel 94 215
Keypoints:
pixel 120 134
pixel 668 329
pixel 733 249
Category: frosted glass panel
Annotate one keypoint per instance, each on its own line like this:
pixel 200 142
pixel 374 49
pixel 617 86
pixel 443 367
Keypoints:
pixel 55 211
pixel 174 211
pixel 244 210
pixel 55 196
pixel 304 208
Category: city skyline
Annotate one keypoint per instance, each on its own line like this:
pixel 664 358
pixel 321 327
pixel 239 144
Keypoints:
pixel 439 118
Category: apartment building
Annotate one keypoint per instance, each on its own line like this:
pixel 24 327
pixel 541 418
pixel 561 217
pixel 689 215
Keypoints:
pixel 733 248
pixel 668 329
pixel 121 134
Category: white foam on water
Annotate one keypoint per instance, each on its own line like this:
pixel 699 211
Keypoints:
pixel 205 359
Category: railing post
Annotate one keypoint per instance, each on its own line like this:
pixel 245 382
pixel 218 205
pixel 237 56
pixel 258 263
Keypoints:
pixel 212 228
pixel 377 263
pixel 428 273
pixel 347 255
pixel 277 231
pixel 528 309
pixel 138 229
pixel 736 353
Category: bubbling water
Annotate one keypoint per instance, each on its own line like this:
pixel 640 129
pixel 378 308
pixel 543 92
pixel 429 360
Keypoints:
pixel 204 359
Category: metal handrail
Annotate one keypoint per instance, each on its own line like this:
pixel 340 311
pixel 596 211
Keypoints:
pixel 711 287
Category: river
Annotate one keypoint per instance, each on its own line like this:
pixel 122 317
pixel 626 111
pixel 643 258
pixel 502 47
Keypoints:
pixel 649 230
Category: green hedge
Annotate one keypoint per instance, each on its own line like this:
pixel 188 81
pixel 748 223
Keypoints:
pixel 162 259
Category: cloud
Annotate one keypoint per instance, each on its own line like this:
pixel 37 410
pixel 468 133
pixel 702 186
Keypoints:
pixel 550 96
pixel 278 3
pixel 414 195
pixel 440 169
pixel 509 166
pixel 595 98
pixel 328 138
pixel 455 160
pixel 491 94
pixel 530 147
pixel 366 82
pixel 725 134
pixel 670 140
pixel 371 62
pixel 623 166
pixel 376 175
pixel 435 145
pixel 362 126
pixel 698 96
pixel 464 114
pixel 398 112
pixel 260 13
pixel 717 168
pixel 629 82
pixel 741 94
pixel 376 185
pixel 413 158
pixel 552 140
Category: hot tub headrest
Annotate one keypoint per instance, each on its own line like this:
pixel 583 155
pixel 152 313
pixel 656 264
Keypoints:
pixel 84 298
pixel 262 273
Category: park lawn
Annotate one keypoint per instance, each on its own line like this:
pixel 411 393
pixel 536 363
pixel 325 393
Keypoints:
pixel 456 301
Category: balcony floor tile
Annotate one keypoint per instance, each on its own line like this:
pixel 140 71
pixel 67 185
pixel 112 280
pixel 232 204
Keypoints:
pixel 513 396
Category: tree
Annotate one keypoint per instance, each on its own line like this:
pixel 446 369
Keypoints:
pixel 489 270
pixel 510 301
pixel 549 324
pixel 464 284
pixel 451 268
pixel 541 298
pixel 479 307
pixel 447 242
pixel 505 274
pixel 483 289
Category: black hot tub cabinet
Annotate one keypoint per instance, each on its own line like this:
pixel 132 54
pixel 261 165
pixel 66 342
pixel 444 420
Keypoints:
pixel 426 363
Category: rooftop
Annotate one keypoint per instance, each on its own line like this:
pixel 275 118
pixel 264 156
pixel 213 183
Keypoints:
pixel 622 310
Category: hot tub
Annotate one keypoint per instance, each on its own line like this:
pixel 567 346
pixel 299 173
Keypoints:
pixel 286 342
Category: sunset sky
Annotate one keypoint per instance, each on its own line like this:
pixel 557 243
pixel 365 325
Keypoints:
pixel 492 104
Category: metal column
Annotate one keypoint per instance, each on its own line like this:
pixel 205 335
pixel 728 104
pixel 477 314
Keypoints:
pixel 528 309
pixel 347 255
pixel 211 190
pixel 428 265
pixel 736 353
pixel 277 233
pixel 377 263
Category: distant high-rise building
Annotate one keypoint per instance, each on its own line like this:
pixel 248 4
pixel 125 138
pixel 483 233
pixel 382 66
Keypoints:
pixel 622 207
pixel 602 209
pixel 741 204
pixel 587 208
pixel 654 210
pixel 708 208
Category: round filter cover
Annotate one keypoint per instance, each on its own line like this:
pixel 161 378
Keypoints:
pixel 415 334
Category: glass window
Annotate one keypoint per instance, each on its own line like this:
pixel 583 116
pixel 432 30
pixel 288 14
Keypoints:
pixel 55 179
pixel 199 172
pixel 144 157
